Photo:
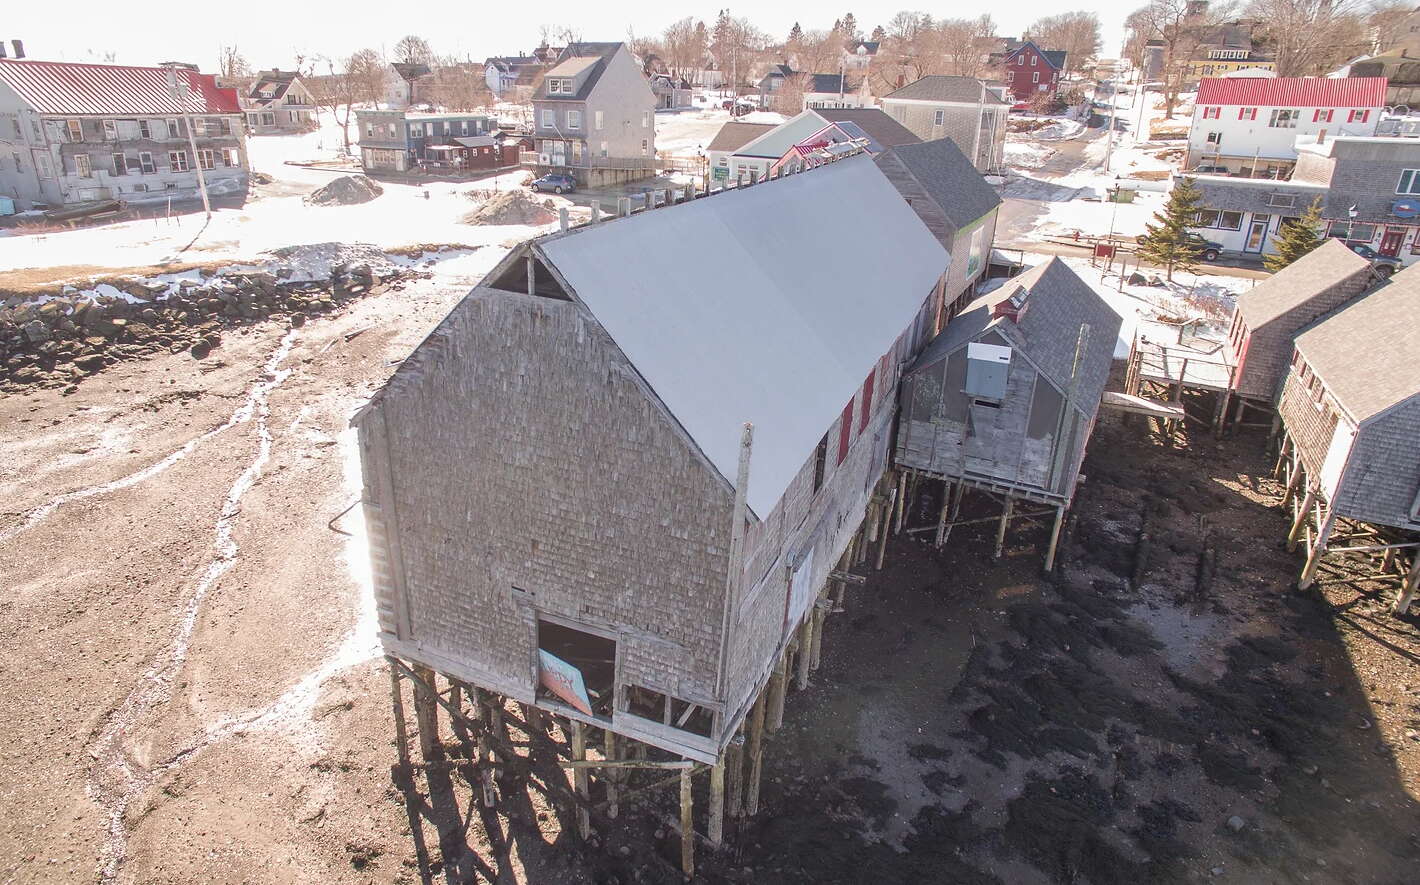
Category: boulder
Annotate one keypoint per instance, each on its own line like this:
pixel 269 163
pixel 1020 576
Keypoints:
pixel 36 331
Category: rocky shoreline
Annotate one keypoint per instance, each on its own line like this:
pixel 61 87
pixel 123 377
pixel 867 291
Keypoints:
pixel 57 339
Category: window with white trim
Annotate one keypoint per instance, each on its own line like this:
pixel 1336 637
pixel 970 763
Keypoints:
pixel 1358 116
pixel 42 166
pixel 205 159
pixel 598 117
pixel 1032 61
pixel 1409 182
pixel 145 163
pixel 120 164
pixel 645 119
pixel 574 120
pixel 1321 115
pixel 1035 77
pixel 175 129
pixel 144 129
pixel 82 167
pixel 549 118
pixel 939 117
pixel 177 161
pixel 1247 113
pixel 1211 113
pixel 1215 138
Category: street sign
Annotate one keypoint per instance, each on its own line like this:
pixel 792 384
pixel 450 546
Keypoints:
pixel 1104 250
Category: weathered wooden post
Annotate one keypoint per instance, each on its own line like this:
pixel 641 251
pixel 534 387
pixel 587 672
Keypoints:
pixel 1001 530
pixel 687 826
pixel 755 751
pixel 401 731
pixel 581 779
pixel 777 688
pixel 1302 513
pixel 610 742
pixel 426 713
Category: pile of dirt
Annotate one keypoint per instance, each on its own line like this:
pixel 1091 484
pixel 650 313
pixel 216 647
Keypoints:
pixel 513 207
pixel 348 190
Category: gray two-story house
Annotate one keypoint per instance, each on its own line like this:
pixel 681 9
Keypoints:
pixel 595 117
pixel 78 133
pixel 410 141
pixel 969 111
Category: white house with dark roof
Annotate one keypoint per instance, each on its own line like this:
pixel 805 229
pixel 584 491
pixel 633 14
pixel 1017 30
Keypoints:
pixel 1350 411
pixel 76 133
pixel 969 111
pixel 594 116
pixel 836 91
pixel 278 102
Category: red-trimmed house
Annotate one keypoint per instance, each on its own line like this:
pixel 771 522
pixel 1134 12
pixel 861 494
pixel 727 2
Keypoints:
pixel 1029 70
pixel 80 133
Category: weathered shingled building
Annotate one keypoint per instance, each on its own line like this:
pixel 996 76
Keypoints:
pixel 614 487
pixel 1003 401
pixel 1350 408
pixel 1269 315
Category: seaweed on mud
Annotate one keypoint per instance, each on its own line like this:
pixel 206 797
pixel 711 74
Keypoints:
pixel 871 798
pixel 1056 824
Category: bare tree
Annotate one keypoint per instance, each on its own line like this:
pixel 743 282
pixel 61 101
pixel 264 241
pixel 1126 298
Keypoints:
pixel 360 79
pixel 413 50
pixel 818 52
pixel 558 35
pixel 684 45
pixel 1311 36
pixel 458 85
pixel 1389 20
pixel 1078 33
pixel 231 63
pixel 965 44
pixel 1182 26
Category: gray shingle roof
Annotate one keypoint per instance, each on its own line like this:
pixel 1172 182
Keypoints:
pixel 1047 331
pixel 827 83
pixel 1330 264
pixel 939 87
pixel 880 127
pixel 1367 352
pixel 600 53
pixel 949 179
pixel 733 136
pixel 1257 194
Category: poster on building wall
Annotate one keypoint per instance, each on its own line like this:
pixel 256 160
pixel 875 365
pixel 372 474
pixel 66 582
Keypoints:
pixel 563 680
pixel 801 588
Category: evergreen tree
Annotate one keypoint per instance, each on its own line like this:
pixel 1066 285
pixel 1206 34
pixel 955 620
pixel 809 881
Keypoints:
pixel 838 26
pixel 879 35
pixel 796 33
pixel 1168 242
pixel 1296 238
pixel 850 29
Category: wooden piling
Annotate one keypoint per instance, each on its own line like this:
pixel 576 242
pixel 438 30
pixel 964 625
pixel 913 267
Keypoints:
pixel 610 741
pixel 716 828
pixel 1054 537
pixel 1301 520
pixel 581 779
pixel 883 532
pixel 755 752
pixel 806 642
pixel 1001 530
pixel 687 826
pixel 426 714
pixel 733 762
pixel 820 614
pixel 1408 589
pixel 401 730
pixel 1318 549
pixel 901 502
pixel 777 688
pixel 947 492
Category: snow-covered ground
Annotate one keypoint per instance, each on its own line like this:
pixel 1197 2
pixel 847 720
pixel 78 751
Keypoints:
pixel 275 215
pixel 688 132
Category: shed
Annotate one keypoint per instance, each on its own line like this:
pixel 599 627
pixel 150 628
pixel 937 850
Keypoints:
pixel 1004 399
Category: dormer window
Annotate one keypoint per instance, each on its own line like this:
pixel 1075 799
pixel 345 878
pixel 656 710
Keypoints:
pixel 559 86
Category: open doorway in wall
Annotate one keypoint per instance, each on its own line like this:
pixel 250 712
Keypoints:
pixel 576 667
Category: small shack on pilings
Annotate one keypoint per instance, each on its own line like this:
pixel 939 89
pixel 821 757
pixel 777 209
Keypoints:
pixel 1002 403
pixel 1350 436
pixel 621 493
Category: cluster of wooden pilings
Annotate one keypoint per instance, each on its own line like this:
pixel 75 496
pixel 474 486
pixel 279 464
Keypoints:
pixel 1392 555
pixel 614 767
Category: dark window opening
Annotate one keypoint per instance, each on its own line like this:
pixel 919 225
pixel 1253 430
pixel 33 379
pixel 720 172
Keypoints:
pixel 820 462
pixel 515 279
pixel 986 403
pixel 576 668
pixel 660 707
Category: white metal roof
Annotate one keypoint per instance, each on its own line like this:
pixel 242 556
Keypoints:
pixel 767 304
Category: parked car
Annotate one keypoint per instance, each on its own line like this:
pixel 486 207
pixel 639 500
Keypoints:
pixel 1207 249
pixel 1384 265
pixel 1019 107
pixel 742 108
pixel 1208 169
pixel 555 182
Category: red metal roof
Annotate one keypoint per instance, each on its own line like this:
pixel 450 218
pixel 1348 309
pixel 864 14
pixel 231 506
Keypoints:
pixel 53 87
pixel 1293 92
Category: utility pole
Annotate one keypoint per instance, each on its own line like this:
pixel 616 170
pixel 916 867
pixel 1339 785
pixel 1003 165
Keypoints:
pixel 179 89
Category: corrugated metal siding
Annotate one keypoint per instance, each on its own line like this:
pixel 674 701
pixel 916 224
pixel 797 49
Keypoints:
pixel 63 88
pixel 1283 92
